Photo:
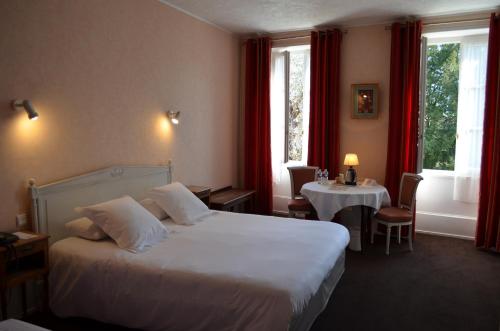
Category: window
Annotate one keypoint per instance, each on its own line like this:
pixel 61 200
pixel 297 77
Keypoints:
pixel 453 90
pixel 290 103
pixel 295 130
pixel 289 116
pixel 453 61
pixel 440 119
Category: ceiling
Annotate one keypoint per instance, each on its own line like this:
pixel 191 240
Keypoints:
pixel 261 16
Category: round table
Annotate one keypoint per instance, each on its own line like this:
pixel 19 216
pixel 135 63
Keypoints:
pixel 328 199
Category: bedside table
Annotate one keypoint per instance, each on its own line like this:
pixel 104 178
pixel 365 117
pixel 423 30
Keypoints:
pixel 233 199
pixel 202 192
pixel 30 262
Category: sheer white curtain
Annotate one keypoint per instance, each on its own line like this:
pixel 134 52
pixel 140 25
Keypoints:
pixel 281 177
pixel 305 104
pixel 277 114
pixel 470 114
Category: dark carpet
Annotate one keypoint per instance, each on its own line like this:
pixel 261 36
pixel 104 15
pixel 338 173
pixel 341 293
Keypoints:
pixel 445 284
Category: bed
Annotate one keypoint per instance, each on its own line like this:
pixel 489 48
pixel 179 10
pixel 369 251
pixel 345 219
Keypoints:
pixel 228 272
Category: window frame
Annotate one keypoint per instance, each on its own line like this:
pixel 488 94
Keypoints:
pixel 422 100
pixel 425 42
pixel 286 55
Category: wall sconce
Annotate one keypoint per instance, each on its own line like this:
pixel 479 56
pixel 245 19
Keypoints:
pixel 28 107
pixel 174 116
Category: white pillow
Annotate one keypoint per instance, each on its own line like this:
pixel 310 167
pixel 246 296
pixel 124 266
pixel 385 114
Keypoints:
pixel 179 203
pixel 151 206
pixel 127 222
pixel 85 228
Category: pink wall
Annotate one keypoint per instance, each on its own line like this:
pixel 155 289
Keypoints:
pixel 365 58
pixel 366 53
pixel 101 74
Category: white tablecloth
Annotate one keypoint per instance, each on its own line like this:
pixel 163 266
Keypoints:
pixel 329 199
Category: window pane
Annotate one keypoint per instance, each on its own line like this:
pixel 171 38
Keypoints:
pixel 440 121
pixel 295 106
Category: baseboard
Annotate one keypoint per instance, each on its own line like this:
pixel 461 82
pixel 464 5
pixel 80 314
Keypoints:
pixel 448 225
pixel 280 203
pixel 453 216
pixel 444 235
pixel 437 224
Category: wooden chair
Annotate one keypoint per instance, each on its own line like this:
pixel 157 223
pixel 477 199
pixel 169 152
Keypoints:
pixel 298 177
pixel 401 215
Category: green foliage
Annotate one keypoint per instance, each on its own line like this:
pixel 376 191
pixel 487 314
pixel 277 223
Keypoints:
pixel 295 111
pixel 440 121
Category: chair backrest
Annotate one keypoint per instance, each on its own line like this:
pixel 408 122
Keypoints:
pixel 408 190
pixel 299 176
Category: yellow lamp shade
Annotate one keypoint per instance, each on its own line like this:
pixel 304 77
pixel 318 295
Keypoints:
pixel 351 159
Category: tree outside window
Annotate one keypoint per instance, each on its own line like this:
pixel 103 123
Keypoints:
pixel 295 106
pixel 440 121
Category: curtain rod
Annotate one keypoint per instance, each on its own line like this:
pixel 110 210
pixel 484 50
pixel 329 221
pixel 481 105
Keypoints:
pixel 388 27
pixel 299 36
pixel 292 37
pixel 459 21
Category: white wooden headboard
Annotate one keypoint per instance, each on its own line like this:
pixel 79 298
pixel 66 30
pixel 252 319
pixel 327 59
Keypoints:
pixel 53 204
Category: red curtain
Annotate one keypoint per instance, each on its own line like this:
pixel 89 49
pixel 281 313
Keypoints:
pixel 488 219
pixel 324 105
pixel 402 149
pixel 257 136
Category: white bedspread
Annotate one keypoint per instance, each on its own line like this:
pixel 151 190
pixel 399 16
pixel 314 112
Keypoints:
pixel 16 325
pixel 231 271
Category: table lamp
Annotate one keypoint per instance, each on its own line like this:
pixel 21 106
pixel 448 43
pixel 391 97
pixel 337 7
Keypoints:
pixel 350 175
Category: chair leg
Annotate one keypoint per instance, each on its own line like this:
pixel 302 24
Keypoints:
pixel 387 240
pixel 410 235
pixel 399 234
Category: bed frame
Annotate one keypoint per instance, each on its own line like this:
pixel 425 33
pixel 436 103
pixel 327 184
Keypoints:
pixel 53 204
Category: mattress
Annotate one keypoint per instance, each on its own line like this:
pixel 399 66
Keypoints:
pixel 230 271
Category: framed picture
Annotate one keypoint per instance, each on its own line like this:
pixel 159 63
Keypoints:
pixel 365 101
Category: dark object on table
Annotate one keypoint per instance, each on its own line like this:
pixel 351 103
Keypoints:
pixel 351 177
pixel 350 160
pixel 7 239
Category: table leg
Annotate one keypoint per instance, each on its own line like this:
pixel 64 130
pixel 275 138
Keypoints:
pixel 3 302
pixel 45 302
pixel 23 300
pixel 369 221
pixel 365 226
pixel 362 228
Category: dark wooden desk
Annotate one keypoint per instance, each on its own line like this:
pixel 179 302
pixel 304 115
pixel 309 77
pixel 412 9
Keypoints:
pixel 202 192
pixel 233 199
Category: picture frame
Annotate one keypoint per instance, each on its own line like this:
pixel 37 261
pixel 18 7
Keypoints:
pixel 365 101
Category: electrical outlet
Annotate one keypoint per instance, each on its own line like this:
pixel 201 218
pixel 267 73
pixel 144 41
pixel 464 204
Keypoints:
pixel 21 220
